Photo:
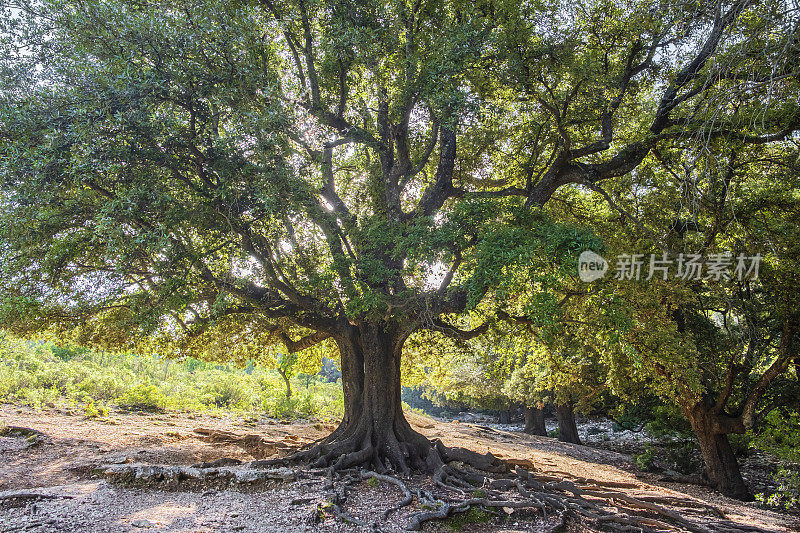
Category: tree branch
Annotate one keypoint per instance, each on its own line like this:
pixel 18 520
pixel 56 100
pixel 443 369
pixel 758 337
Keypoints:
pixel 306 342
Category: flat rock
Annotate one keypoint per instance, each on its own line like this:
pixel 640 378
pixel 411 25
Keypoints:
pixel 193 478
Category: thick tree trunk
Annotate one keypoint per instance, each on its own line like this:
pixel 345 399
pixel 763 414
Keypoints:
pixel 534 421
pixel 505 416
pixel 567 429
pixel 721 467
pixel 374 432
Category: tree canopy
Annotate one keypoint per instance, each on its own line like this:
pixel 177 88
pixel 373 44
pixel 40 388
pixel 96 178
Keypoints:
pixel 223 173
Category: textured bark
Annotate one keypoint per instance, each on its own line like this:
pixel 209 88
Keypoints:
pixel 374 432
pixel 567 430
pixel 721 467
pixel 534 421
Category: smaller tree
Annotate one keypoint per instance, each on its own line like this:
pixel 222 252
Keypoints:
pixel 287 368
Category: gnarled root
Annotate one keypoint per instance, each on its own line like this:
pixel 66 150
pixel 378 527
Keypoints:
pixel 396 448
pixel 521 490
pixel 469 479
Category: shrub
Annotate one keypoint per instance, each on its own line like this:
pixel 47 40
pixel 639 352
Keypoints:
pixel 37 374
pixel 38 397
pixel 684 458
pixel 95 411
pixel 143 397
pixel 103 387
pixel 668 421
pixel 66 353
pixel 280 407
pixel 780 437
pixel 645 461
pixel 226 391
pixel 740 444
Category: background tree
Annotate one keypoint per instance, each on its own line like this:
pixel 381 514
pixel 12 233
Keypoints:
pixel 354 171
pixel 719 349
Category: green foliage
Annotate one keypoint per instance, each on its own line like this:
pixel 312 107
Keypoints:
pixel 31 373
pixel 319 400
pixel 645 461
pixel 681 456
pixel 191 153
pixel 667 421
pixel 780 437
pixel 226 390
pixel 143 397
pixel 93 411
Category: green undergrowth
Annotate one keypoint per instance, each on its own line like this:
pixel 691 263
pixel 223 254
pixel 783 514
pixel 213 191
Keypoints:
pixel 45 375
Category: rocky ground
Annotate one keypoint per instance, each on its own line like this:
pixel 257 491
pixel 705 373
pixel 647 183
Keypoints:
pixel 672 458
pixel 52 478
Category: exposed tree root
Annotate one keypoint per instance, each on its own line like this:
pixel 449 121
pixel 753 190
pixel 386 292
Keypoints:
pixel 520 489
pixel 335 499
pixel 408 498
pixel 463 479
pixel 256 445
pixel 398 449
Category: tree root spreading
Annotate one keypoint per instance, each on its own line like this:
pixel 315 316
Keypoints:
pixel 466 486
pixel 466 480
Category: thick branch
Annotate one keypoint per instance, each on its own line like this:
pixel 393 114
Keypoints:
pixel 442 188
pixel 786 353
pixel 457 333
pixel 306 342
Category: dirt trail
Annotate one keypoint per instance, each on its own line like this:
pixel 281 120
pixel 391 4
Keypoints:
pixel 60 464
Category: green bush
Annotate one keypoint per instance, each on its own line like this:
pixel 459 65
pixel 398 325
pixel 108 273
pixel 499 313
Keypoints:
pixel 668 421
pixel 38 397
pixel 684 458
pixel 95 411
pixel 103 387
pixel 227 391
pixel 66 353
pixel 143 397
pixel 280 407
pixel 40 374
pixel 779 436
pixel 740 444
pixel 645 461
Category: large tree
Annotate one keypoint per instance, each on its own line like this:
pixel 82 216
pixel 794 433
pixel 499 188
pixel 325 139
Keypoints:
pixel 722 349
pixel 297 171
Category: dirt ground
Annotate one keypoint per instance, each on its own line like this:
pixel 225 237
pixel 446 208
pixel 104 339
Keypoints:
pixel 60 465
